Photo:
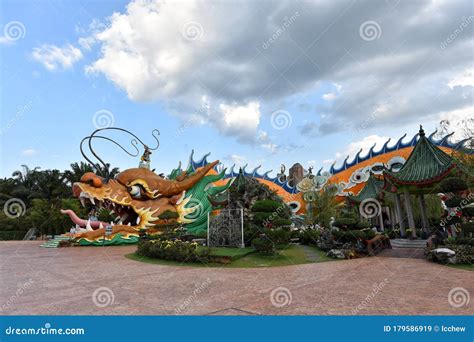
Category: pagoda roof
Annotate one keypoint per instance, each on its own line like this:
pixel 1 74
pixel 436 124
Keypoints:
pixel 371 189
pixel 426 164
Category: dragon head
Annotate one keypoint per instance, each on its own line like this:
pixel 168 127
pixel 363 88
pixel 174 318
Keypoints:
pixel 137 196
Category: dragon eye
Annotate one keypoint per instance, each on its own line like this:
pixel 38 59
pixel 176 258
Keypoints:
pixel 135 191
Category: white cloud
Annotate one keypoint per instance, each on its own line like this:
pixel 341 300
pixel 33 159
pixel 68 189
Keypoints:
pixel 354 147
pixel 237 159
pixel 54 57
pixel 29 152
pixel 329 96
pixel 240 120
pixel 464 79
pixel 226 61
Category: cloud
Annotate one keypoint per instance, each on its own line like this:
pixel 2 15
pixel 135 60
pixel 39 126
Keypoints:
pixel 354 147
pixel 29 152
pixel 241 121
pixel 54 57
pixel 309 129
pixel 329 96
pixel 176 53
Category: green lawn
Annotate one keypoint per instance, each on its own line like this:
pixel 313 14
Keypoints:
pixel 292 255
pixel 467 267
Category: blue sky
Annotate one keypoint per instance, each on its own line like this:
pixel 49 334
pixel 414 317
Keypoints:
pixel 250 64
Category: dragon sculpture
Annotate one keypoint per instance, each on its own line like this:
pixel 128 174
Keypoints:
pixel 144 200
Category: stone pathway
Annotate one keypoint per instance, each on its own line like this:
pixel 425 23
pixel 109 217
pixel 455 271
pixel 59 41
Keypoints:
pixel 73 281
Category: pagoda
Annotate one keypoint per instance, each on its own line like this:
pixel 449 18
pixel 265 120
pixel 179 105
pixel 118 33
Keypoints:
pixel 426 166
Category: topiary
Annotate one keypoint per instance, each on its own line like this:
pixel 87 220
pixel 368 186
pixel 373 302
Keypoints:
pixel 453 184
pixel 468 228
pixel 453 202
pixel 267 206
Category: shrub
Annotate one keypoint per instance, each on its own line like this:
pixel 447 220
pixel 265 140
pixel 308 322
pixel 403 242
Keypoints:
pixel 468 228
pixel 279 236
pixel 464 253
pixel 453 202
pixel 362 225
pixel 267 206
pixel 393 233
pixel 468 211
pixel 309 236
pixel 175 250
pixel 280 222
pixel 346 223
pixel 264 245
pixel 453 184
pixel 465 241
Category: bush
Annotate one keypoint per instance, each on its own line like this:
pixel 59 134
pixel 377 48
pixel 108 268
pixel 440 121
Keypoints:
pixel 264 245
pixel 468 228
pixel 345 223
pixel 453 202
pixel 393 233
pixel 453 184
pixel 309 236
pixel 280 222
pixel 468 211
pixel 175 250
pixel 362 225
pixel 465 241
pixel 464 253
pixel 267 206
pixel 279 236
pixel 352 236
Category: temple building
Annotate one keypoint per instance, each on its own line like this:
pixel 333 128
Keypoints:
pixel 426 166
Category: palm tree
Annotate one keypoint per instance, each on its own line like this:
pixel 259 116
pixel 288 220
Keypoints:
pixel 78 169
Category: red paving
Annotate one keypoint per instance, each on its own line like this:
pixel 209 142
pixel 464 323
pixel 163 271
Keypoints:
pixel 63 281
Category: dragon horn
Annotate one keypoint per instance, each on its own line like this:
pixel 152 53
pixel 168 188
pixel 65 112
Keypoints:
pixel 179 186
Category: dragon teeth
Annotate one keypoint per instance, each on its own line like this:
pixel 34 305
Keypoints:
pixel 138 220
pixel 83 201
pixel 92 200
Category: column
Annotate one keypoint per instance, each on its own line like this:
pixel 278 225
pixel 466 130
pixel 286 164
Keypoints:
pixel 411 220
pixel 382 227
pixel 424 217
pixel 401 222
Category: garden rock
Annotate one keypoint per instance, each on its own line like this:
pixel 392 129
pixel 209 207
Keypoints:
pixel 336 253
pixel 444 255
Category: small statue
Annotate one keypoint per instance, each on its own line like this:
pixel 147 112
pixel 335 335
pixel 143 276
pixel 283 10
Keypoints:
pixel 332 227
pixel 281 176
pixel 145 160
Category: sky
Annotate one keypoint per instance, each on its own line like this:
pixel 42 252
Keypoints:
pixel 257 82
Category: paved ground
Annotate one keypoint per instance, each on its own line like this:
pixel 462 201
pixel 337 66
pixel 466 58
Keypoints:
pixel 36 280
